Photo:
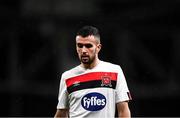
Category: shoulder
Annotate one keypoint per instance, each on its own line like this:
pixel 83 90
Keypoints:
pixel 71 72
pixel 110 65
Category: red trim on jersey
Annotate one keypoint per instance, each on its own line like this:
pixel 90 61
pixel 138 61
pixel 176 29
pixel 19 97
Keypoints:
pixel 91 77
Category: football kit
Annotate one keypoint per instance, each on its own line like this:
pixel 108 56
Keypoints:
pixel 93 92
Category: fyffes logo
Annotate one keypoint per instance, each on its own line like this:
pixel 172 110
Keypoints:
pixel 93 101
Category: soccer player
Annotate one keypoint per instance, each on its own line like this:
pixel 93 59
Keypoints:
pixel 95 87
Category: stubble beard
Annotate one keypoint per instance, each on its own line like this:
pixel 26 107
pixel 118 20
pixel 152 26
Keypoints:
pixel 87 60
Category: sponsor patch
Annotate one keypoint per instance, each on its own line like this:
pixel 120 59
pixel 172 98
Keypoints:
pixel 93 101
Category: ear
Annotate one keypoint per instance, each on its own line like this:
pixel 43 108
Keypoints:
pixel 99 47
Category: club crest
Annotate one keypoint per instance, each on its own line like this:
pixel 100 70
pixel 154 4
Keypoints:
pixel 106 81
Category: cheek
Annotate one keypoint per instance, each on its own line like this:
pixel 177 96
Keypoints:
pixel 92 51
pixel 78 50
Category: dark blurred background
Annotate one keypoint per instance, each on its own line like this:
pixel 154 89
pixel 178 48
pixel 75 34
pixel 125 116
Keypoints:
pixel 37 44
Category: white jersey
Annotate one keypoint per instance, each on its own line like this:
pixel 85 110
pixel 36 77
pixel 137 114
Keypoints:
pixel 93 92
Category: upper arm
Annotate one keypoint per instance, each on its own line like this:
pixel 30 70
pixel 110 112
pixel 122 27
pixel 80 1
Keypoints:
pixel 63 94
pixel 123 109
pixel 122 91
pixel 61 113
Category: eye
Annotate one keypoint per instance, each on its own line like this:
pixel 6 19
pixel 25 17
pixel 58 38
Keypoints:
pixel 80 45
pixel 88 45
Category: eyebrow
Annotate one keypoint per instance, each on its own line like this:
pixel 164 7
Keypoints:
pixel 87 45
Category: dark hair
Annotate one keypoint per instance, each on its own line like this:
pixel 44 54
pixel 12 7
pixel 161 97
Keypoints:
pixel 88 30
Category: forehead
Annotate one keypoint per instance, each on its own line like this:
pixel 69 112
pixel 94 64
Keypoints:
pixel 88 39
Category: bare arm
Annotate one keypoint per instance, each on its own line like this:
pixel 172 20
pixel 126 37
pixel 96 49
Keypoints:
pixel 123 110
pixel 61 113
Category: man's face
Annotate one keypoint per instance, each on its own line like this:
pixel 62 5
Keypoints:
pixel 87 48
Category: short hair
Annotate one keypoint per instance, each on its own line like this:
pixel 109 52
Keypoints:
pixel 89 30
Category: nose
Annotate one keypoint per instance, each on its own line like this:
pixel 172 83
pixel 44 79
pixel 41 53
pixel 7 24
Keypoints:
pixel 84 50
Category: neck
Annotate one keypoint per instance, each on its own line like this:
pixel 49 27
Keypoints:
pixel 92 65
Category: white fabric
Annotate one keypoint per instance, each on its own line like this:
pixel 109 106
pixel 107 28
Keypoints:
pixel 73 101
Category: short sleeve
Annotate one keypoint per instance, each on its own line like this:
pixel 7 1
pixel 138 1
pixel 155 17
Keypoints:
pixel 122 91
pixel 63 95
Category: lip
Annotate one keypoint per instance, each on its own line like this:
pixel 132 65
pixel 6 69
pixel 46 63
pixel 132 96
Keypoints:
pixel 84 57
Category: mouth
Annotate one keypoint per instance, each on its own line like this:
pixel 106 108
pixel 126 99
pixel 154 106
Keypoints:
pixel 85 58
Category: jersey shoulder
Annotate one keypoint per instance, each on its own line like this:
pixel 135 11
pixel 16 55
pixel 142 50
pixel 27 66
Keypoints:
pixel 72 72
pixel 110 66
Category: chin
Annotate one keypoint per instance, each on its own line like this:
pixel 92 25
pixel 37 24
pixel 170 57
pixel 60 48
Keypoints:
pixel 87 63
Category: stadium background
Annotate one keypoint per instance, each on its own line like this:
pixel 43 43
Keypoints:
pixel 37 43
